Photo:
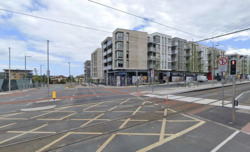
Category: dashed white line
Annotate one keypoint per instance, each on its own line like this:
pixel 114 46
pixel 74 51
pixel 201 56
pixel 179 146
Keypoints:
pixel 29 103
pixel 225 141
pixel 71 98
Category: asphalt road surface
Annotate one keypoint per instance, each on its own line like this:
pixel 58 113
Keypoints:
pixel 111 119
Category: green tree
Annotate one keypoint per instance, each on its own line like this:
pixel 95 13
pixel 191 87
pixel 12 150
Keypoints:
pixel 62 81
pixel 157 64
pixel 36 78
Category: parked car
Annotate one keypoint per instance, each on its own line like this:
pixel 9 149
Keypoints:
pixel 202 78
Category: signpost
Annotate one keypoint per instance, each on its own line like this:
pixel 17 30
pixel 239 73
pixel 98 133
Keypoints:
pixel 222 65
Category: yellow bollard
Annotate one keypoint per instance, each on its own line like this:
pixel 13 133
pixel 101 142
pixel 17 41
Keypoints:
pixel 67 88
pixel 54 95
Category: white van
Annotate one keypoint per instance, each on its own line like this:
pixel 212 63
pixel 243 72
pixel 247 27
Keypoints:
pixel 202 78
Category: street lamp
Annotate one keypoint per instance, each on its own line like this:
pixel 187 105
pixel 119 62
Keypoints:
pixel 9 68
pixel 25 70
pixel 70 75
pixel 41 69
pixel 243 66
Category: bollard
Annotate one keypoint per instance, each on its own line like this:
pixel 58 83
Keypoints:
pixel 67 88
pixel 167 98
pixel 54 95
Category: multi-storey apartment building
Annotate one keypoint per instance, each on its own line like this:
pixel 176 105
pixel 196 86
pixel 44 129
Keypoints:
pixel 107 53
pixel 125 55
pixel 128 52
pixel 96 72
pixel 87 70
pixel 159 53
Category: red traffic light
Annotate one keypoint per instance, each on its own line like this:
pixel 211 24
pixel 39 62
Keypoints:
pixel 233 62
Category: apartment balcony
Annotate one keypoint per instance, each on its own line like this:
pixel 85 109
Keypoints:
pixel 109 67
pixel 104 68
pixel 175 60
pixel 184 47
pixel 104 46
pixel 169 60
pixel 188 54
pixel 109 59
pixel 188 47
pixel 151 49
pixel 151 58
pixel 151 41
pixel 200 57
pixel 173 67
pixel 151 66
pixel 218 54
pixel 109 51
pixel 209 52
pixel 104 53
pixel 201 62
pixel 174 52
pixel 105 60
pixel 175 44
pixel 109 42
pixel 185 61
pixel 119 38
pixel 200 50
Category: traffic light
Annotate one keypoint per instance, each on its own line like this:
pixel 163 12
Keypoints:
pixel 233 67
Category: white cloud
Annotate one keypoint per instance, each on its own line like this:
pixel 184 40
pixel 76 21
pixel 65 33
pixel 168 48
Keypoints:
pixel 73 44
pixel 231 50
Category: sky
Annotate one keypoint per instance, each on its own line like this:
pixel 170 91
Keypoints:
pixel 28 36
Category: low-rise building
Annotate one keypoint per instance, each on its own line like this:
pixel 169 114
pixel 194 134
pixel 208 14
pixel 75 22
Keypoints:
pixel 17 74
pixel 80 79
pixel 58 78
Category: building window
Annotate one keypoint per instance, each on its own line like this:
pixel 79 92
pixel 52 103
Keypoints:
pixel 127 45
pixel 119 63
pixel 156 39
pixel 127 54
pixel 119 45
pixel 162 40
pixel 127 36
pixel 119 54
pixel 119 36
pixel 127 63
pixel 165 40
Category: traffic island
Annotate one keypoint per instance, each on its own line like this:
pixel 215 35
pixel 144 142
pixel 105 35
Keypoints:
pixel 38 108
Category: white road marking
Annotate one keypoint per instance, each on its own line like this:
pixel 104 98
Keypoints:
pixel 29 103
pixel 12 99
pixel 225 141
pixel 71 98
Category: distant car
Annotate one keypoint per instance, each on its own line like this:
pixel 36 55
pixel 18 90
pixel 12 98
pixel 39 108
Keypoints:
pixel 202 78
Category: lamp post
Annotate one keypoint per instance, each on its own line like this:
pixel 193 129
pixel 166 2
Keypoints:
pixel 70 75
pixel 25 71
pixel 41 69
pixel 48 67
pixel 9 69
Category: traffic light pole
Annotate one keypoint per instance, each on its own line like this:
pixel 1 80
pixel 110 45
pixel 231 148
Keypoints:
pixel 233 103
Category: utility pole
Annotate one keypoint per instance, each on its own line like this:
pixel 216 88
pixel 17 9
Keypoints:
pixel 213 65
pixel 41 70
pixel 25 71
pixel 137 81
pixel 243 67
pixel 70 76
pixel 9 69
pixel 48 67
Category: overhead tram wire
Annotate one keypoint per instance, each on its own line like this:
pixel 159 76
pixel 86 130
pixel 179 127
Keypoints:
pixel 144 18
pixel 228 26
pixel 61 22
pixel 223 35
pixel 55 21
pixel 52 20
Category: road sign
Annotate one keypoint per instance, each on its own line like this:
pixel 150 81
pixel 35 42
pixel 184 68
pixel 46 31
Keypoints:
pixel 222 64
pixel 152 73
